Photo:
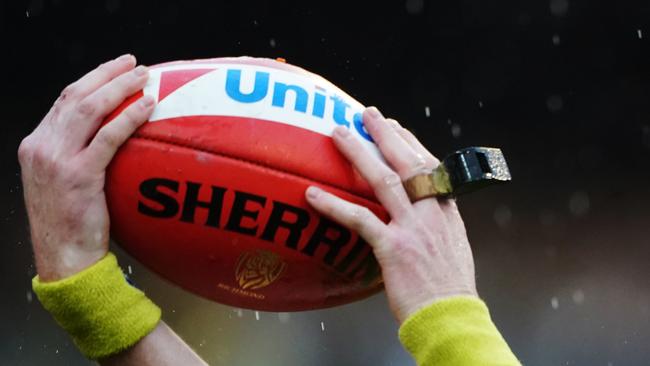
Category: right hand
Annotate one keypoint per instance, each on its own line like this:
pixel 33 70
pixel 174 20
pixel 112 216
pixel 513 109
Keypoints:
pixel 63 163
pixel 423 252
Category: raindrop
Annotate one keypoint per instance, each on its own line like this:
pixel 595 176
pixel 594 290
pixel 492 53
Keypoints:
pixel 555 303
pixel 284 317
pixel 272 42
pixel 579 203
pixel 257 315
pixel 449 121
pixel 480 104
pixel 130 270
pixel 639 33
pixel 322 326
pixel 427 112
pixel 56 351
pixel 559 8
pixel 578 297
pixel 414 6
pixel 556 39
pixel 239 312
pixel 554 103
pixel 455 130
pixel 35 8
pixel 502 216
pixel 30 297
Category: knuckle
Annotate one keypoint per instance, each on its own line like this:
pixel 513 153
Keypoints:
pixel 39 155
pixel 408 134
pixel 67 92
pixel 107 139
pixel 389 179
pixel 25 149
pixel 132 114
pixel 105 100
pixel 419 165
pixel 40 159
pixel 393 123
pixel 359 215
pixel 105 67
pixel 86 108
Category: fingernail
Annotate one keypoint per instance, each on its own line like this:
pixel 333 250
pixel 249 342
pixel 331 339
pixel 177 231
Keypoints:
pixel 374 112
pixel 342 131
pixel 313 192
pixel 140 70
pixel 124 57
pixel 146 101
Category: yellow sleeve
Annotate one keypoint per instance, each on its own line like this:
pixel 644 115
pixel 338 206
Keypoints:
pixel 457 331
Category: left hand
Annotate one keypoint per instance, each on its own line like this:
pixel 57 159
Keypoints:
pixel 63 163
pixel 424 252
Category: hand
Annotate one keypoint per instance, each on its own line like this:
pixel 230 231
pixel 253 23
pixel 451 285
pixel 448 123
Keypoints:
pixel 63 163
pixel 423 252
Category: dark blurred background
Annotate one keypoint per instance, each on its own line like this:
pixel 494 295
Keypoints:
pixel 562 86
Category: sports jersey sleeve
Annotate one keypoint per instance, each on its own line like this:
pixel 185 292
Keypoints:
pixel 455 332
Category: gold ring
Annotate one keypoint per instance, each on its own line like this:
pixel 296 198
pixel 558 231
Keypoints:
pixel 434 184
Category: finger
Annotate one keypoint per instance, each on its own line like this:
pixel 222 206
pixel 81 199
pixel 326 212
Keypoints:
pixel 386 184
pixel 109 138
pixel 355 217
pixel 92 109
pixel 96 78
pixel 399 154
pixel 409 137
pixel 394 145
pixel 437 208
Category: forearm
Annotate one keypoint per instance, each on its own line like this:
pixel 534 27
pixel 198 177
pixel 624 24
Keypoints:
pixel 161 347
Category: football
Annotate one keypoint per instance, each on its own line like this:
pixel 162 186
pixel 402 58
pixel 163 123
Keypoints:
pixel 209 193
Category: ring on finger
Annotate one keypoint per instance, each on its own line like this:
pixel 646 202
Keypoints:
pixel 461 172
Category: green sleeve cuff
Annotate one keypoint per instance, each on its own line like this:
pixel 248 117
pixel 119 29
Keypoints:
pixel 103 314
pixel 456 331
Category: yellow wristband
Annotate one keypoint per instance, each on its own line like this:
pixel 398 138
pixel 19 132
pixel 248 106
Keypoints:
pixel 99 309
pixel 455 331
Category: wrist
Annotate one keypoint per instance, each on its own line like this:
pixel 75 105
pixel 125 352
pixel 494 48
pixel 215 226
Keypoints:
pixel 440 295
pixel 64 261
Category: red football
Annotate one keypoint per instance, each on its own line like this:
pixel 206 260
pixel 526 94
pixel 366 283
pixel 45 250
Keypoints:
pixel 210 192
